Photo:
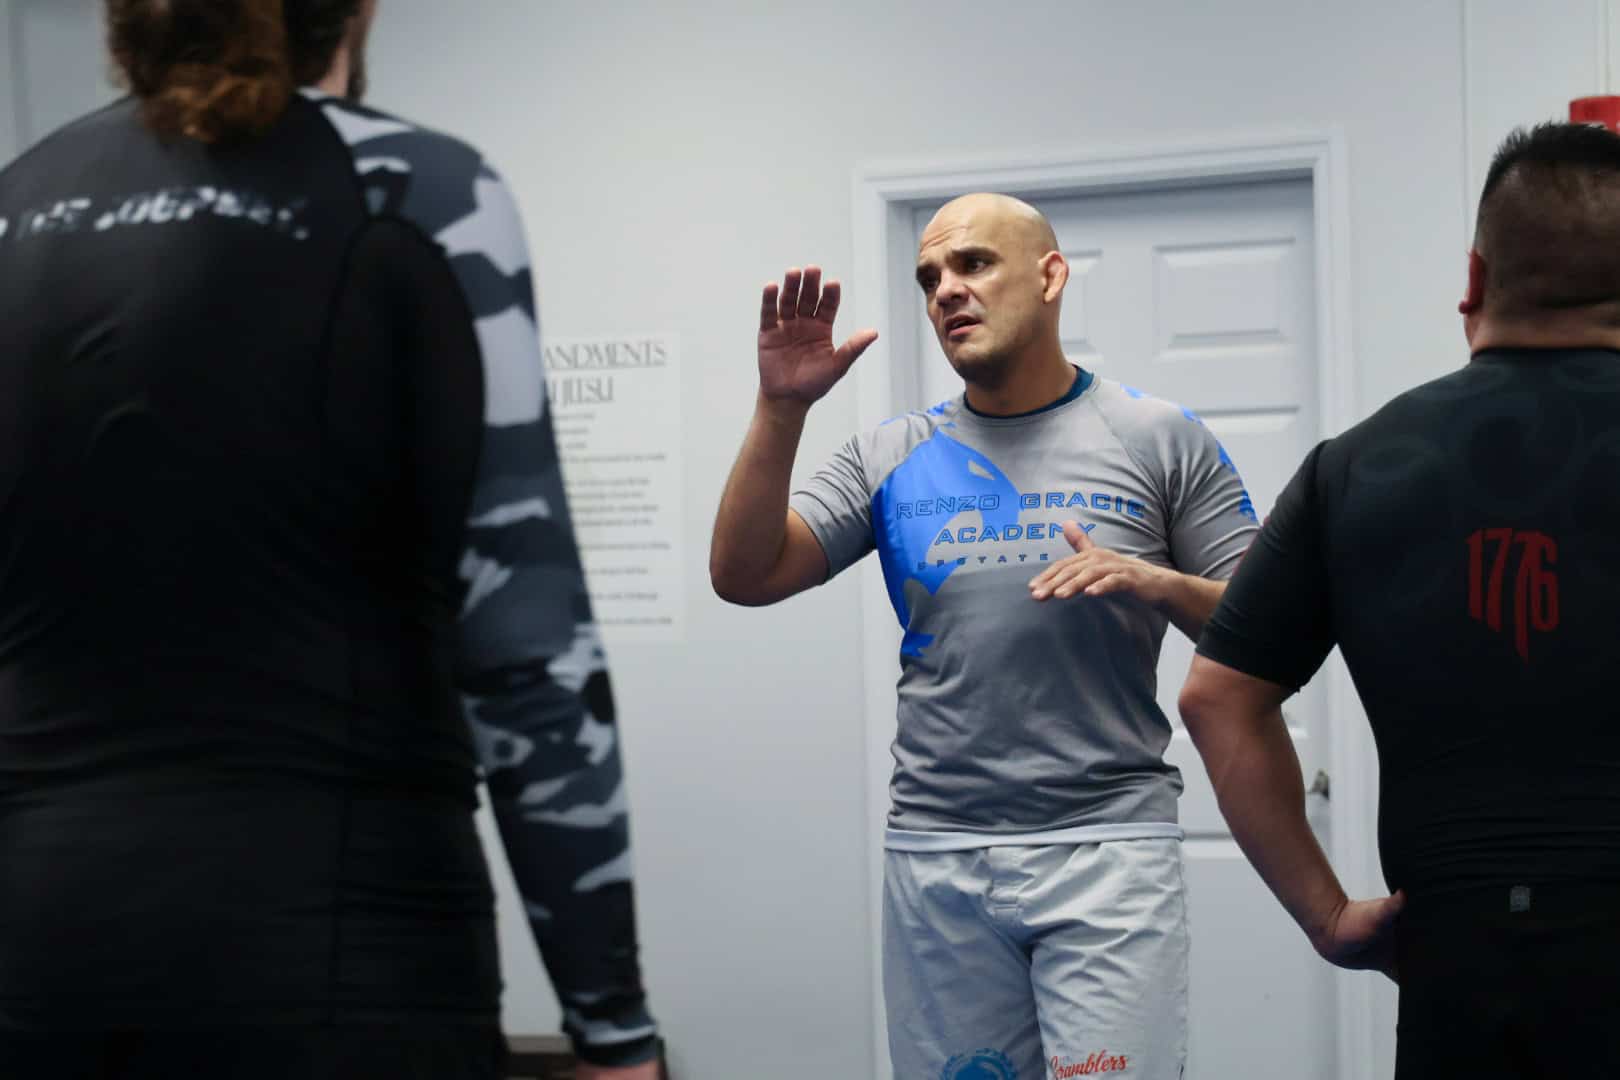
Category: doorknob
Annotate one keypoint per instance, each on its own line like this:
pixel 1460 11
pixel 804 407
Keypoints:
pixel 1321 785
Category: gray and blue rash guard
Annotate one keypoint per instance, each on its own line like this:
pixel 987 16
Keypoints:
pixel 284 560
pixel 1018 717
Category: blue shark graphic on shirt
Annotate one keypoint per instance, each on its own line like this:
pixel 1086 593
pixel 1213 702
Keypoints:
pixel 998 680
pixel 939 466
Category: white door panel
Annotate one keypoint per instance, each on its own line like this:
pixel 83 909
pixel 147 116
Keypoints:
pixel 1205 296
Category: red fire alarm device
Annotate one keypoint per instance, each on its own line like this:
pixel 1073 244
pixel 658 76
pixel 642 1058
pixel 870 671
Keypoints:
pixel 1603 110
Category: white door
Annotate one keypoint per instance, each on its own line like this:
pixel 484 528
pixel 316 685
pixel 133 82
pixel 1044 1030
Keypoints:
pixel 1205 296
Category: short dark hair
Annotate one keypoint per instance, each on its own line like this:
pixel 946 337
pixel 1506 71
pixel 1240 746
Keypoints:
pixel 1549 220
pixel 216 70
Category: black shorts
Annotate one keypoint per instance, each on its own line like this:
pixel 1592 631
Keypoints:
pixel 416 1051
pixel 1511 984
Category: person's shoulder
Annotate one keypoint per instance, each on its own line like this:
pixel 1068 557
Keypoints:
pixel 444 187
pixel 1138 407
pixel 1410 427
pixel 368 130
pixel 900 434
pixel 1416 413
pixel 87 134
pixel 1144 422
pixel 880 450
pixel 406 169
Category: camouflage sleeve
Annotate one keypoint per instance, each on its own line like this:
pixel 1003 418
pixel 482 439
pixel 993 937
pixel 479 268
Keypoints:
pixel 531 669
pixel 536 691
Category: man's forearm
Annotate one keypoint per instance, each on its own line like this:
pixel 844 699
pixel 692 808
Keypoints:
pixel 556 784
pixel 1189 601
pixel 750 527
pixel 1256 774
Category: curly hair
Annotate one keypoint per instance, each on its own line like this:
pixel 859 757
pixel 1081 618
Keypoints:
pixel 217 70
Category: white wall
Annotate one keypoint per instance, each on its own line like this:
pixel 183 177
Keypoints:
pixel 8 86
pixel 671 157
pixel 1526 63
pixel 55 67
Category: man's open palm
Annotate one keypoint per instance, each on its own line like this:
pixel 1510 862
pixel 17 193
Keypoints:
pixel 797 361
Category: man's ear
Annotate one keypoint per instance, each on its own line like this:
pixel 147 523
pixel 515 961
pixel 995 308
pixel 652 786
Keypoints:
pixel 1474 298
pixel 1055 271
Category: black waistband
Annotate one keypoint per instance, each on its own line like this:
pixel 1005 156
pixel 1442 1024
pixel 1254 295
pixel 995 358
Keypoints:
pixel 1555 898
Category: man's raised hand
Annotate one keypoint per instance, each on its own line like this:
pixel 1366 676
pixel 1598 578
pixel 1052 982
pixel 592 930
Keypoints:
pixel 797 361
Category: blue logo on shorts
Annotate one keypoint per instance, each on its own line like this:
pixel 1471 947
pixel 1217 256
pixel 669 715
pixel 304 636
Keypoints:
pixel 980 1065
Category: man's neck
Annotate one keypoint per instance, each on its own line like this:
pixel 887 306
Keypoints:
pixel 1552 332
pixel 336 79
pixel 1033 384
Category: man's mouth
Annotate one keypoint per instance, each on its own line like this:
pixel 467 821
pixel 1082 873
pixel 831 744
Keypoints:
pixel 960 326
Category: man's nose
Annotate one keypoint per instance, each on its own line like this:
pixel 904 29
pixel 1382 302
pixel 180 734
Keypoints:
pixel 950 290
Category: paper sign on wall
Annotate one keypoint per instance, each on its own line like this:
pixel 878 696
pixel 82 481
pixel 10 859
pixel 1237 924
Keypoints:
pixel 616 406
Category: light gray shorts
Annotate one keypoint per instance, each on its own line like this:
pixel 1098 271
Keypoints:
pixel 1057 961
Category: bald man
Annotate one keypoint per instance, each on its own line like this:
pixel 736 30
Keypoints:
pixel 1037 532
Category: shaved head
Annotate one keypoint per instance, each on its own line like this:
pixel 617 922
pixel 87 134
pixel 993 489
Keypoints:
pixel 1549 222
pixel 1021 220
pixel 991 272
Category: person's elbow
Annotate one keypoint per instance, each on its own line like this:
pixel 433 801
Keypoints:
pixel 741 588
pixel 1226 710
pixel 799 565
pixel 1202 705
pixel 737 592
pixel 1199 702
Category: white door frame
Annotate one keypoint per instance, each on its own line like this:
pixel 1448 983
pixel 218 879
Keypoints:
pixel 884 198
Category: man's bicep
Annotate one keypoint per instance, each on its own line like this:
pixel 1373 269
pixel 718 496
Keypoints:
pixel 1214 521
pixel 803 564
pixel 1210 680
pixel 829 521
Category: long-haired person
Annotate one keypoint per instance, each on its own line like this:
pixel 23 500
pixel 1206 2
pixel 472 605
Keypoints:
pixel 284 560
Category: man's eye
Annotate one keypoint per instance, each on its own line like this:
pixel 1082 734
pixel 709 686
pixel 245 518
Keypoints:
pixel 972 262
